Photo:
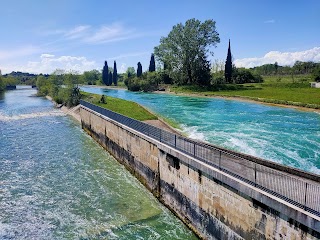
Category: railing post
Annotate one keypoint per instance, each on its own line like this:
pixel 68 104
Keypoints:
pixel 194 149
pixel 175 141
pixel 160 135
pixel 255 174
pixel 305 197
pixel 220 160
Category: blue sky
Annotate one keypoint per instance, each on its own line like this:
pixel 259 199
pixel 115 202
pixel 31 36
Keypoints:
pixel 77 35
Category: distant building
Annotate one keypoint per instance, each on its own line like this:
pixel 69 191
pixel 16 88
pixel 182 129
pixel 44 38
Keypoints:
pixel 315 84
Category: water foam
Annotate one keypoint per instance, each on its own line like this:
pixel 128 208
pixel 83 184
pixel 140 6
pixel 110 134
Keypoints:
pixel 193 132
pixel 6 118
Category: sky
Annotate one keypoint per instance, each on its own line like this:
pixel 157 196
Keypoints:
pixel 78 35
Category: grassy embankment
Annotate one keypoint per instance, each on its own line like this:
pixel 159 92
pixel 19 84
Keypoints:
pixel 124 107
pixel 275 89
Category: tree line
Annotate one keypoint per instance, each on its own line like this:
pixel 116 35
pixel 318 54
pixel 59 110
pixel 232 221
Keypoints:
pixel 298 68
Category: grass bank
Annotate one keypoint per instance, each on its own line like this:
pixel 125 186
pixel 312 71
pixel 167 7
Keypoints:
pixel 124 107
pixel 287 90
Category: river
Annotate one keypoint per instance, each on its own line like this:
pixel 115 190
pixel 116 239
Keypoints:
pixel 284 135
pixel 57 183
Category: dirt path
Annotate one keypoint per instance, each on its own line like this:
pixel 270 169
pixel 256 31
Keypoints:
pixel 162 125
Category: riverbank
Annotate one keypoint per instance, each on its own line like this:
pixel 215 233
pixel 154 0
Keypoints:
pixel 75 113
pixel 263 101
pixel 232 95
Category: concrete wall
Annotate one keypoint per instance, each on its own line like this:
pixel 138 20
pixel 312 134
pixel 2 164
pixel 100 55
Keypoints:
pixel 212 203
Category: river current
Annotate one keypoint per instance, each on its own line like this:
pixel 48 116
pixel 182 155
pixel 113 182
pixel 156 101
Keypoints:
pixel 284 135
pixel 57 183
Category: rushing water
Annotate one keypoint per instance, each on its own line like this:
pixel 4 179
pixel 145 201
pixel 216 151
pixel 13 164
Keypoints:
pixel 57 183
pixel 283 135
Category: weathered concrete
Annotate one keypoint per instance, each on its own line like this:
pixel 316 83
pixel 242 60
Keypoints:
pixel 211 202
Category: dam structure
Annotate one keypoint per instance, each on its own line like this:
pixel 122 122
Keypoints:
pixel 218 193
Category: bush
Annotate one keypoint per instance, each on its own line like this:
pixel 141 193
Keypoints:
pixel 316 75
pixel 102 99
pixel 147 82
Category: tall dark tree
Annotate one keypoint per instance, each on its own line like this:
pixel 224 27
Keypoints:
pixel 228 66
pixel 110 78
pixel 115 74
pixel 152 66
pixel 105 74
pixel 139 70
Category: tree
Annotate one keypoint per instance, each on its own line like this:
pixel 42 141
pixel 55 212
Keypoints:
pixel 105 74
pixel 228 66
pixel 115 74
pixel 110 79
pixel 2 86
pixel 276 66
pixel 185 50
pixel 316 74
pixel 130 72
pixel 139 70
pixel 152 66
pixel 91 77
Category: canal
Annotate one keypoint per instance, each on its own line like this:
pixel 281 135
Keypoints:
pixel 283 135
pixel 57 183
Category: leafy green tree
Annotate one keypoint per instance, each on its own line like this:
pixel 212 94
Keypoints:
pixel 242 75
pixel 228 66
pixel 316 74
pixel 91 77
pixel 115 74
pixel 130 72
pixel 105 74
pixel 2 86
pixel 152 66
pixel 185 51
pixel 139 70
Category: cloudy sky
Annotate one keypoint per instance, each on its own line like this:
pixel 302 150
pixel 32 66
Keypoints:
pixel 78 35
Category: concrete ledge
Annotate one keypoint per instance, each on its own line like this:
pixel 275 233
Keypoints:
pixel 289 212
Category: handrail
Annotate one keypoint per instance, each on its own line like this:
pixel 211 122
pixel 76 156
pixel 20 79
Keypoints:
pixel 290 184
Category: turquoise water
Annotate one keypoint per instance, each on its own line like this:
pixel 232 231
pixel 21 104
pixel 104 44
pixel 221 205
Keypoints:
pixel 57 183
pixel 282 135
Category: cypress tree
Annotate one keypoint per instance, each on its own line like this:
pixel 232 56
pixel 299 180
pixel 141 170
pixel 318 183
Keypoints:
pixel 110 78
pixel 115 74
pixel 228 66
pixel 105 74
pixel 152 66
pixel 139 70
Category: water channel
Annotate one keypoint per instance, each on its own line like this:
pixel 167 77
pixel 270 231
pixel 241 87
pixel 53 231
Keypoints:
pixel 284 135
pixel 57 183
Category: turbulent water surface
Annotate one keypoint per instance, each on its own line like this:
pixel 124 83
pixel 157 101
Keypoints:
pixel 283 135
pixel 57 183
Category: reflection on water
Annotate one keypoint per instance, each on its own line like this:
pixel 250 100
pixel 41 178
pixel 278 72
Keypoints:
pixel 57 183
pixel 283 135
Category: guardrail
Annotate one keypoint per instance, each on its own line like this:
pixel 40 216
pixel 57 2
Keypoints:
pixel 292 185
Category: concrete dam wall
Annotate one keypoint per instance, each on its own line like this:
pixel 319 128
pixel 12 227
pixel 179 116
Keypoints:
pixel 227 196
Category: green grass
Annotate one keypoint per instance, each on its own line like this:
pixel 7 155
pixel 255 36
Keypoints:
pixel 126 108
pixel 275 89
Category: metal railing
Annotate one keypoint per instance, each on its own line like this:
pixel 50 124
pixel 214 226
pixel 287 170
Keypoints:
pixel 292 185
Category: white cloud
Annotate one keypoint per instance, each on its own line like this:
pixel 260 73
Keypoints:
pixel 48 63
pixel 78 32
pixel 134 54
pixel 111 33
pixel 95 35
pixel 18 52
pixel 46 55
pixel 270 21
pixel 283 58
